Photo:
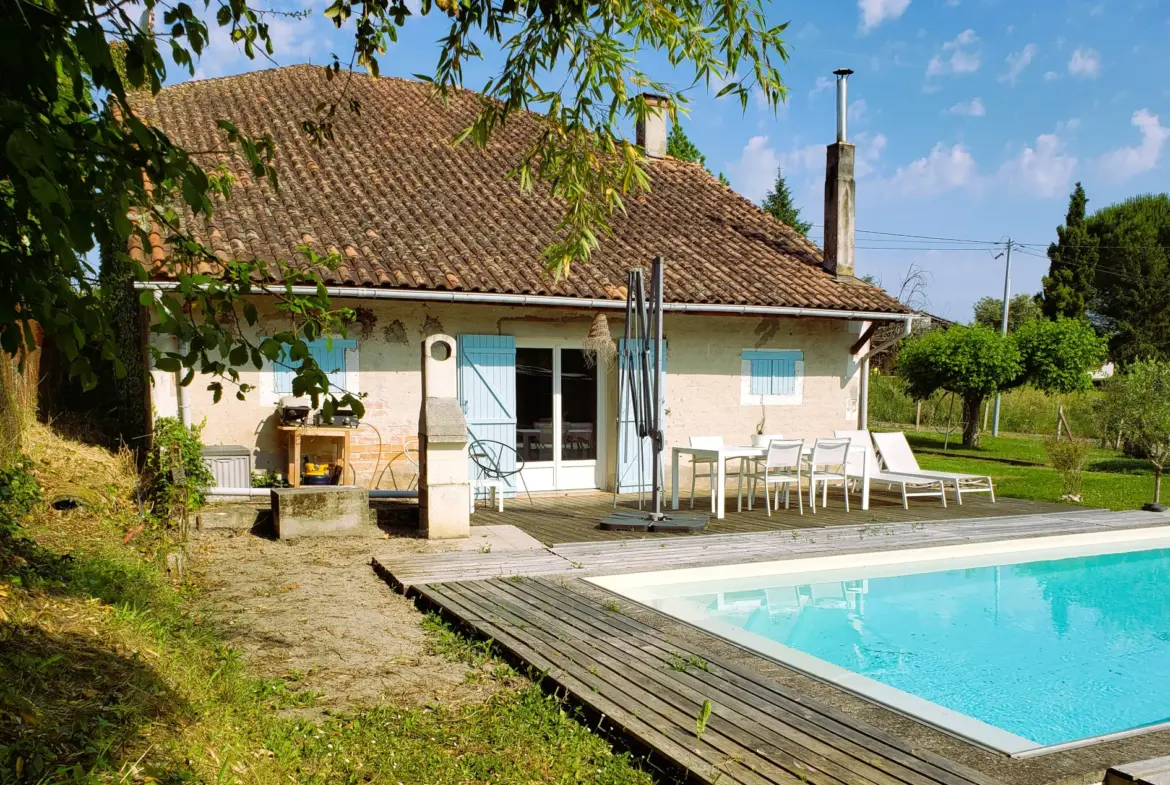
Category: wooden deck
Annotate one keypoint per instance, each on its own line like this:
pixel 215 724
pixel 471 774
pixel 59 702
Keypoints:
pixel 574 517
pixel 651 688
pixel 608 557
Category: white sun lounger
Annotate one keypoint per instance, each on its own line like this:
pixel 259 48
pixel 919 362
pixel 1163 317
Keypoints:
pixel 898 457
pixel 911 485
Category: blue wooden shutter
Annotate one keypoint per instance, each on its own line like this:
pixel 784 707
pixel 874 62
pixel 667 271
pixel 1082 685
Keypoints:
pixel 634 455
pixel 282 373
pixel 330 356
pixel 487 393
pixel 773 373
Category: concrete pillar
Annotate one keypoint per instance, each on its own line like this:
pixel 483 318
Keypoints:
pixel 840 209
pixel 444 491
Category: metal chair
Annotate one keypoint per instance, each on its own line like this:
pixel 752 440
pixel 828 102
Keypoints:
pixel 778 464
pixel 486 455
pixel 704 465
pixel 828 454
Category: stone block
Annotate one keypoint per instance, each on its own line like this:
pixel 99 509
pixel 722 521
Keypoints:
pixel 232 517
pixel 323 511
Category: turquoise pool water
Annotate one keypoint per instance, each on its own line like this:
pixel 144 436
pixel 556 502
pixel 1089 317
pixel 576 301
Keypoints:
pixel 1051 651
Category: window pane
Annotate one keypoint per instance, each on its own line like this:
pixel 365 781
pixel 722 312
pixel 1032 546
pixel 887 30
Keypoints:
pixel 578 407
pixel 534 404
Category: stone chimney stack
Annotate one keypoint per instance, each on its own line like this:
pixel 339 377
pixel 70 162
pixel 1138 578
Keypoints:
pixel 651 134
pixel 840 191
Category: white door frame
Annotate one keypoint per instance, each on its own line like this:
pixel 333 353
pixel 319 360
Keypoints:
pixel 559 474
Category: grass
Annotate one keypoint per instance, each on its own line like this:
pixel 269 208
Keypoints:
pixel 111 675
pixel 1111 490
pixel 1112 480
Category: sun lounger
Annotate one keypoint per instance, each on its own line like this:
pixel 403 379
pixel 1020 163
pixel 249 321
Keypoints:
pixel 898 457
pixel 911 485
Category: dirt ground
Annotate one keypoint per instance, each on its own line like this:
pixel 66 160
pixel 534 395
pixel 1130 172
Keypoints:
pixel 316 608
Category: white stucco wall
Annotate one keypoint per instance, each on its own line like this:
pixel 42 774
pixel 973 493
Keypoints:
pixel 703 379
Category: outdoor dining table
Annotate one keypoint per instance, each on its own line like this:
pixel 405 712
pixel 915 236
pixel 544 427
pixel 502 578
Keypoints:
pixel 720 455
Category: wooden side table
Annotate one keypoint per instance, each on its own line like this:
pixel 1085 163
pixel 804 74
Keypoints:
pixel 294 434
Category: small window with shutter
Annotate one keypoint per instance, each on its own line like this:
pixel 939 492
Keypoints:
pixel 772 377
pixel 331 355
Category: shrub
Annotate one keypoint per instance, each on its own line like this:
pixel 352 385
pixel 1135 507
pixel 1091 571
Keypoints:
pixel 1068 457
pixel 19 493
pixel 177 445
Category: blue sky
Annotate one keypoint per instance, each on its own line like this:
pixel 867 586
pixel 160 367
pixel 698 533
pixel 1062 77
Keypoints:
pixel 972 119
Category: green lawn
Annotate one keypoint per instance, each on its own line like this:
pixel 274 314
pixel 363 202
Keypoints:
pixel 1112 480
pixel 1024 447
pixel 1111 490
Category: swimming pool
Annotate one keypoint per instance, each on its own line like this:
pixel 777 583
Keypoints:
pixel 1024 646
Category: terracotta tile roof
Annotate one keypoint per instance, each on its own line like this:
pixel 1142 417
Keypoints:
pixel 406 209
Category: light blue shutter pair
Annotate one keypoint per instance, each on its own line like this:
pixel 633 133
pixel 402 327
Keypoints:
pixel 773 373
pixel 634 455
pixel 330 357
pixel 487 394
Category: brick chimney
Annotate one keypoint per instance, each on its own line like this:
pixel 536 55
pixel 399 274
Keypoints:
pixel 840 191
pixel 651 133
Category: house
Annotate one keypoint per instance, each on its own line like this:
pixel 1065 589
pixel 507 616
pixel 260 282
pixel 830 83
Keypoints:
pixel 763 330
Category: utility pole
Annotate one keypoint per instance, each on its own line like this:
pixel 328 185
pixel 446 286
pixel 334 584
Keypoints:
pixel 1007 291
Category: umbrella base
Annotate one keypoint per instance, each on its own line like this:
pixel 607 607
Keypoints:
pixel 648 522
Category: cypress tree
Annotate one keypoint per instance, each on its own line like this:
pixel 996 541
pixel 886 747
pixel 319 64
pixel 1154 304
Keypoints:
pixel 1072 264
pixel 778 203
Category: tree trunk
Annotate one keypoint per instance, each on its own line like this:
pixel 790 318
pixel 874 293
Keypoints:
pixel 1157 485
pixel 971 426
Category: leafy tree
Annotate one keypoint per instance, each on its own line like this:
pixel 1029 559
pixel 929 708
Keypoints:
pixel 79 169
pixel 778 203
pixel 1072 263
pixel 972 362
pixel 1137 403
pixel 1022 309
pixel 680 146
pixel 975 362
pixel 1131 299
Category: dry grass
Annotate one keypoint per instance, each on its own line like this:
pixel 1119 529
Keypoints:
pixel 65 465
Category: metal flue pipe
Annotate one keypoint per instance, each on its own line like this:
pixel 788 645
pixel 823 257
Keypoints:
pixel 842 75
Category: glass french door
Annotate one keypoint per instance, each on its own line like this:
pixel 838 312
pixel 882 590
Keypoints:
pixel 557 418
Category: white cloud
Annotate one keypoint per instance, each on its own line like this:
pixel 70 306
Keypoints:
pixel 869 151
pixel 1017 62
pixel 1085 63
pixel 875 12
pixel 1126 162
pixel 1044 170
pixel 1051 76
pixel 960 56
pixel 755 171
pixel 972 108
pixel 823 83
pixel 857 110
pixel 945 169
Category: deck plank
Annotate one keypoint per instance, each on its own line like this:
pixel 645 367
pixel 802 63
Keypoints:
pixel 574 517
pixel 759 731
pixel 595 558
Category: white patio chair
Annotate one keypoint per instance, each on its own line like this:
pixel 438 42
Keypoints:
pixel 704 467
pixel 747 464
pixel 898 457
pixel 828 454
pixel 910 485
pixel 781 465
